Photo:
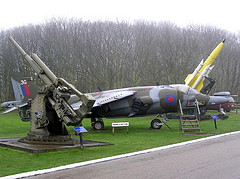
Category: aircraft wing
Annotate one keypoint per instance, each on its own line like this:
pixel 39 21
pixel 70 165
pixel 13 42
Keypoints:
pixel 111 97
pixel 106 97
pixel 9 110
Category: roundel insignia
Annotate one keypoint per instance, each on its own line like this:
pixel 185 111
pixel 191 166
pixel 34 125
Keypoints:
pixel 170 99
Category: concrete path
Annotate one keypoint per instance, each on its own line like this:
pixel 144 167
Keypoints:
pixel 214 158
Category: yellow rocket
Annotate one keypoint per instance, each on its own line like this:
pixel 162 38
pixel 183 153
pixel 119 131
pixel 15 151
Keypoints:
pixel 195 80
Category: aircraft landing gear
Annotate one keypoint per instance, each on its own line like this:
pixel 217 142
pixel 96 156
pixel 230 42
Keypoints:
pixel 157 123
pixel 97 125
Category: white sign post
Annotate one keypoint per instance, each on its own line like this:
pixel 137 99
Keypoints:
pixel 119 124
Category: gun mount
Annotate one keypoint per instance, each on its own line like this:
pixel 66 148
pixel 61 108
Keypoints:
pixel 50 109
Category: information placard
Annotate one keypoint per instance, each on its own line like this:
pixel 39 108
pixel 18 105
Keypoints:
pixel 80 129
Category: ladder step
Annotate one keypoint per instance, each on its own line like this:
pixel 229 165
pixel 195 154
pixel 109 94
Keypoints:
pixel 187 119
pixel 187 116
pixel 190 124
pixel 195 120
pixel 197 128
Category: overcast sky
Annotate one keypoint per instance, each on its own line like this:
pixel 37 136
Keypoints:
pixel 223 14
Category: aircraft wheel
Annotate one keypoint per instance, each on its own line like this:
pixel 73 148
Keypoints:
pixel 156 124
pixel 98 125
pixel 93 120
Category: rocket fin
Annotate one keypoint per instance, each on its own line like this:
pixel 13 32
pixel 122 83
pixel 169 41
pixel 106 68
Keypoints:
pixel 189 75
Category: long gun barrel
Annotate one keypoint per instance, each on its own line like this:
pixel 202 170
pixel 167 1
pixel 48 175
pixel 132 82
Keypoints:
pixel 38 66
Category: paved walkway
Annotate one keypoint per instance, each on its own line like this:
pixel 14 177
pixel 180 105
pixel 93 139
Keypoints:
pixel 214 158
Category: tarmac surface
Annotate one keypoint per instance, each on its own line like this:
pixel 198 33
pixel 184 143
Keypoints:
pixel 214 158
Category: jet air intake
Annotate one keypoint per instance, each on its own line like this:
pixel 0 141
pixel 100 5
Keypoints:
pixel 169 99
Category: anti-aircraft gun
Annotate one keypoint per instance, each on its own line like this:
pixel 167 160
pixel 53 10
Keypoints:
pixel 50 109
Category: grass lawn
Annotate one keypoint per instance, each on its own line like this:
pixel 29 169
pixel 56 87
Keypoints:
pixel 139 138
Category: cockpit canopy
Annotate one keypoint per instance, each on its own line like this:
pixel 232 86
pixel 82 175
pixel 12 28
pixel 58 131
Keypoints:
pixel 185 89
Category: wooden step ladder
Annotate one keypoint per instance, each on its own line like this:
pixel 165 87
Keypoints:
pixel 189 122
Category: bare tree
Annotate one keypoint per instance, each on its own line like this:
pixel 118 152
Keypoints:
pixel 119 54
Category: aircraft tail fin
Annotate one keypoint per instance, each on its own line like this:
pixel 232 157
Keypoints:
pixel 29 90
pixel 17 90
pixel 23 87
pixel 23 91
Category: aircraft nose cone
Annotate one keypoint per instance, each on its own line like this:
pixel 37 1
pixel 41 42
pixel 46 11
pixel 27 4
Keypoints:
pixel 217 100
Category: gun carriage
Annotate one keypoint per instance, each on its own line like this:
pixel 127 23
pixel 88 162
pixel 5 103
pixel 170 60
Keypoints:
pixel 49 111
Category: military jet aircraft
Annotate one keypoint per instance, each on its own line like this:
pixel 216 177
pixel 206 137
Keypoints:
pixel 143 101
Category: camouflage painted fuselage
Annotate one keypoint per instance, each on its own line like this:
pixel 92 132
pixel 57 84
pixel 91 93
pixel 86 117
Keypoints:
pixel 144 101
